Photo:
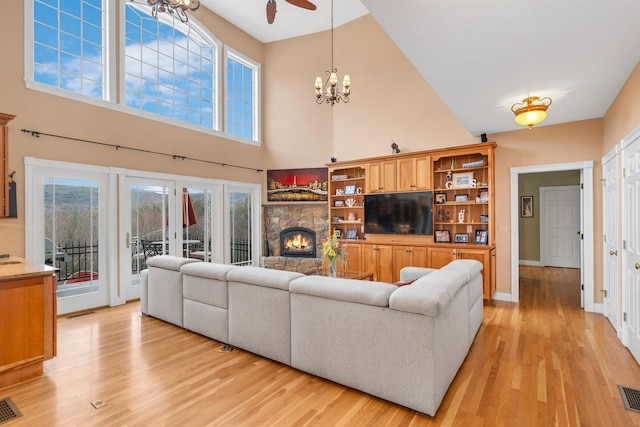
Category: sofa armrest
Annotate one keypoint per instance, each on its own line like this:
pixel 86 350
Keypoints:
pixel 430 294
pixel 409 273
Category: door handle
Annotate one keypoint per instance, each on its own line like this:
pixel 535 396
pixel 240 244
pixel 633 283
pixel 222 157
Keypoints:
pixel 637 266
pixel 613 252
pixel 128 239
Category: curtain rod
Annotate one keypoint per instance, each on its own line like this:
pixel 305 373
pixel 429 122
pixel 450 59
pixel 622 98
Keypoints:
pixel 37 134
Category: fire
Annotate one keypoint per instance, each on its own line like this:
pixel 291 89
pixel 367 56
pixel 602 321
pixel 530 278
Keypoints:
pixel 297 243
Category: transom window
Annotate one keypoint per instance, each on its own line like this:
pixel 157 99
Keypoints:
pixel 68 45
pixel 168 69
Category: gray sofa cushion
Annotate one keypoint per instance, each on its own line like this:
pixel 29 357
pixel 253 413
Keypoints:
pixel 430 294
pixel 169 262
pixel 471 266
pixel 208 270
pixel 360 291
pixel 278 279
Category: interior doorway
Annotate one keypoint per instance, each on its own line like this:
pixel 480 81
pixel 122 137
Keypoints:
pixel 586 226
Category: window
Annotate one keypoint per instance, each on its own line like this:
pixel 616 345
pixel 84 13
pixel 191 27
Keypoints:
pixel 68 45
pixel 169 68
pixel 242 103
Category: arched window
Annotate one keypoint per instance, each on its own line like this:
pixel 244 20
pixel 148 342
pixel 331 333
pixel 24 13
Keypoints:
pixel 170 67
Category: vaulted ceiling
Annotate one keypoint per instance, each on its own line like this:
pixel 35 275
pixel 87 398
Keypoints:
pixel 481 56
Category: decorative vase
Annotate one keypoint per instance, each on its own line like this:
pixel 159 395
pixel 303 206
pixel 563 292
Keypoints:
pixel 332 267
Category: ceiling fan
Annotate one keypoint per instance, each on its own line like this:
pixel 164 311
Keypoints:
pixel 271 7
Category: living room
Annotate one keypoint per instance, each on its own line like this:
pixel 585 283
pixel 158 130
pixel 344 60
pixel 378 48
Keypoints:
pixel 297 133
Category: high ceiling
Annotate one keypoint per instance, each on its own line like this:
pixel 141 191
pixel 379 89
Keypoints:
pixel 481 56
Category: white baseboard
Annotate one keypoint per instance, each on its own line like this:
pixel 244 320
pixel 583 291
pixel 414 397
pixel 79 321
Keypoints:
pixel 501 296
pixel 530 263
pixel 598 308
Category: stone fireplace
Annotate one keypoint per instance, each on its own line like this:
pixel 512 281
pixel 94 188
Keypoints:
pixel 278 218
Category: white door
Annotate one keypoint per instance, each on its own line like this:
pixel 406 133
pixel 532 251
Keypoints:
pixel 146 210
pixel 611 247
pixel 70 232
pixel 631 242
pixel 560 226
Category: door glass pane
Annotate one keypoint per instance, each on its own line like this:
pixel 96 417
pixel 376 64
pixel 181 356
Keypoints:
pixel 71 221
pixel 196 223
pixel 240 204
pixel 149 225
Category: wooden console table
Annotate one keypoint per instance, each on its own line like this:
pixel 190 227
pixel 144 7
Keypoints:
pixel 27 319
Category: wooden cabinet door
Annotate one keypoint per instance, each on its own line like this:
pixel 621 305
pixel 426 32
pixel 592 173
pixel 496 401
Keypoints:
pixel 369 260
pixel 423 173
pixel 354 257
pixel 408 256
pixel 389 176
pixel 381 176
pixel 378 259
pixel 385 263
pixel 439 257
pixel 414 173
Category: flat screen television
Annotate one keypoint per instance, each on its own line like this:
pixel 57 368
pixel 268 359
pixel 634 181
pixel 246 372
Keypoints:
pixel 398 213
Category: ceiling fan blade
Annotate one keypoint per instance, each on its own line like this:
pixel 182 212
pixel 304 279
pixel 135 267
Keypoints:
pixel 305 4
pixel 271 11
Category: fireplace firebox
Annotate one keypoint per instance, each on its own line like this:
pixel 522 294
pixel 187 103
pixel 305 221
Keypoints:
pixel 298 242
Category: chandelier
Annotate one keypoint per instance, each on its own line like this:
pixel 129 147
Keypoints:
pixel 328 92
pixel 531 111
pixel 179 7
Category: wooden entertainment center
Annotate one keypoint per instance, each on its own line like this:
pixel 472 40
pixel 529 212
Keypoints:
pixel 461 180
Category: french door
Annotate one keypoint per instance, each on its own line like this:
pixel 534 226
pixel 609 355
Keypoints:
pixel 69 210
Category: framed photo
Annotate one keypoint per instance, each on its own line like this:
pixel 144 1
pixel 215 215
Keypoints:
pixel 350 189
pixel 339 192
pixel 442 236
pixel 481 237
pixel 338 203
pixel 462 180
pixel 462 238
pixel 526 207
pixel 461 198
pixel 351 233
pixel 338 232
pixel 441 198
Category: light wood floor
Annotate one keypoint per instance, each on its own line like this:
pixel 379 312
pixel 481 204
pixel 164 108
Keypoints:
pixel 538 363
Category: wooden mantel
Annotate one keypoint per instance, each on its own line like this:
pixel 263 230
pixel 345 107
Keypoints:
pixel 27 319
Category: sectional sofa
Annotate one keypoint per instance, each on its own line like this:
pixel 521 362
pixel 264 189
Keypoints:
pixel 404 344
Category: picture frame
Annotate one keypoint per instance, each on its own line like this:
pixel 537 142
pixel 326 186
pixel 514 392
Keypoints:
pixel 461 197
pixel 338 203
pixel 461 238
pixel 339 192
pixel 462 180
pixel 442 236
pixel 481 237
pixel 284 185
pixel 337 232
pixel 526 207
pixel 351 233
pixel 441 198
pixel 349 189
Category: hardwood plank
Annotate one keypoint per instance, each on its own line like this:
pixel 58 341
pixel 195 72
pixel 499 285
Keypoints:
pixel 541 362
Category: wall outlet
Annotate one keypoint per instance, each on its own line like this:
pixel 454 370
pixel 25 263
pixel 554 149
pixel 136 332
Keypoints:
pixel 503 229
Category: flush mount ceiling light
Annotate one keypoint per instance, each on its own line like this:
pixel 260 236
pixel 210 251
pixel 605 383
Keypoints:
pixel 179 7
pixel 531 111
